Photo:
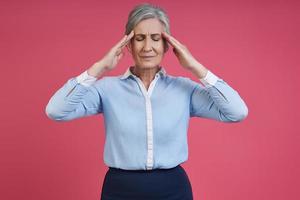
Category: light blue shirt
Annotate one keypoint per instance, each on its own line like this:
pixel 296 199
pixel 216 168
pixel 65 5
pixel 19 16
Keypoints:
pixel 146 129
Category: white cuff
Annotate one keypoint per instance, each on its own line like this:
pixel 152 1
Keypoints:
pixel 86 79
pixel 209 79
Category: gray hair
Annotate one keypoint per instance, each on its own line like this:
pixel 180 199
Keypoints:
pixel 147 11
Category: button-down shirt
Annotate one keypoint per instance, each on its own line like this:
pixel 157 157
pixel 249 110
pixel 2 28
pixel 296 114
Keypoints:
pixel 146 129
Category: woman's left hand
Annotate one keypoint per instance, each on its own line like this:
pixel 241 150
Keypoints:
pixel 185 57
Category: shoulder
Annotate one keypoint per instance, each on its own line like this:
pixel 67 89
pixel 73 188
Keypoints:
pixel 103 84
pixel 105 81
pixel 185 82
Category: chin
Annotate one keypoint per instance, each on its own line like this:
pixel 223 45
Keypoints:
pixel 148 65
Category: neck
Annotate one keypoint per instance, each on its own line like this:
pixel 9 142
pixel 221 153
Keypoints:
pixel 146 75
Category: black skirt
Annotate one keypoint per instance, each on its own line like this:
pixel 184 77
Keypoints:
pixel 156 184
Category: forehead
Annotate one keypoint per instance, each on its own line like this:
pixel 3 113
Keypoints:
pixel 149 26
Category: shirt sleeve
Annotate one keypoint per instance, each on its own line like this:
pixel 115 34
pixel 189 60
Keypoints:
pixel 86 79
pixel 74 100
pixel 217 100
pixel 209 79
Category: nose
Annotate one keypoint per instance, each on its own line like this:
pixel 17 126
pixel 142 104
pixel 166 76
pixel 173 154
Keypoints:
pixel 147 45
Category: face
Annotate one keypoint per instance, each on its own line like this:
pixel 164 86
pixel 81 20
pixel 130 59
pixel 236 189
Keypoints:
pixel 147 46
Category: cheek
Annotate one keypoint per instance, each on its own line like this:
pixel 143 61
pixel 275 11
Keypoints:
pixel 160 47
pixel 136 45
pixel 136 49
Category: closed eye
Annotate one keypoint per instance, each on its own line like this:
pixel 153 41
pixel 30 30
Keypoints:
pixel 141 37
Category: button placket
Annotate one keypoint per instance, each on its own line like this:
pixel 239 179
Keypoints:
pixel 147 95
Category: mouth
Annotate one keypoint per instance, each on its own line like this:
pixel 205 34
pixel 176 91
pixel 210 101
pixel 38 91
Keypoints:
pixel 147 57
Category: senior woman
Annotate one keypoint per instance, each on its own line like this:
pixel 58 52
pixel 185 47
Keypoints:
pixel 146 111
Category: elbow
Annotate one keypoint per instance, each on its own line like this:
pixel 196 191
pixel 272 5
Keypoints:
pixel 237 115
pixel 241 114
pixel 52 113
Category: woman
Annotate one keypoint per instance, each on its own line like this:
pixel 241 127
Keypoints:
pixel 146 111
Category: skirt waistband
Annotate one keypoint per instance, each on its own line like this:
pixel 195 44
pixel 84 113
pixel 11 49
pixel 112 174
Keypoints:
pixel 143 170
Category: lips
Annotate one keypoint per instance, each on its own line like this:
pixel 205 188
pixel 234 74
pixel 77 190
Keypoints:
pixel 147 57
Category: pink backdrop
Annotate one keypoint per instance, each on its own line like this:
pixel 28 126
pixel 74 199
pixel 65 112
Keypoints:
pixel 252 45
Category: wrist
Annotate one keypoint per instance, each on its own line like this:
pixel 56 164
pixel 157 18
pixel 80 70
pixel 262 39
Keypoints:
pixel 199 71
pixel 97 69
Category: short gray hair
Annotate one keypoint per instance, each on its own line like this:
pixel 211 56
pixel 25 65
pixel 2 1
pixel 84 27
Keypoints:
pixel 147 11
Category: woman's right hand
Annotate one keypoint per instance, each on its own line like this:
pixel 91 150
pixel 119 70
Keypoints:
pixel 111 59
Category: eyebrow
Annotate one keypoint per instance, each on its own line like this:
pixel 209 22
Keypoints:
pixel 154 34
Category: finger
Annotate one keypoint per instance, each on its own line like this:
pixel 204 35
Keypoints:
pixel 175 52
pixel 120 56
pixel 124 39
pixel 116 47
pixel 121 41
pixel 175 41
pixel 128 38
pixel 178 48
pixel 171 40
pixel 130 35
pixel 167 37
pixel 118 52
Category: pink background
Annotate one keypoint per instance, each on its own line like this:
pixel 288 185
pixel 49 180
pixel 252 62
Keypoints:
pixel 252 45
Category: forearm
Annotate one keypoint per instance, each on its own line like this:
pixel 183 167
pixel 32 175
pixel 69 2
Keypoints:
pixel 97 69
pixel 199 70
pixel 231 105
